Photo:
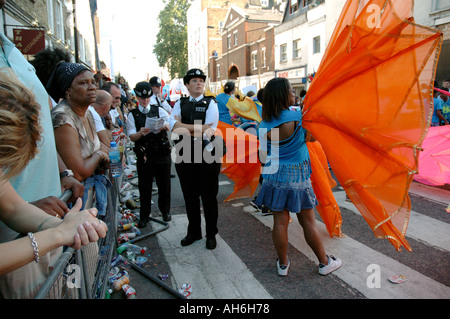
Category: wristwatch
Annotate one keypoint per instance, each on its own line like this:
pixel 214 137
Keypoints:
pixel 66 172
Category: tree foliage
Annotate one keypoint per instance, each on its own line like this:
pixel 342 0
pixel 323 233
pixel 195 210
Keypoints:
pixel 171 42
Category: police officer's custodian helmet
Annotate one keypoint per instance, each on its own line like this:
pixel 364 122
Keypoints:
pixel 143 90
pixel 155 81
pixel 194 73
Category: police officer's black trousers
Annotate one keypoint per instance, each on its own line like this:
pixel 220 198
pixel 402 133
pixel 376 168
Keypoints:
pixel 200 181
pixel 146 172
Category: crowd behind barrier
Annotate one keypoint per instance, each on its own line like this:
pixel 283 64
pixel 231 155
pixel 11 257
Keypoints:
pixel 83 274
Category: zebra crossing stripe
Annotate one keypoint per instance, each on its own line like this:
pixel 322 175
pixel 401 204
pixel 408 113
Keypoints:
pixel 357 260
pixel 213 274
pixel 421 227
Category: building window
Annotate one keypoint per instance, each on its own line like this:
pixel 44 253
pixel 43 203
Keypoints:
pixel 218 71
pixel 229 41
pixel 59 28
pixel 235 39
pixel 283 53
pixel 263 57
pixel 51 21
pixel 81 45
pixel 316 45
pixel 55 19
pixel 305 3
pixel 294 6
pixel 441 5
pixel 297 53
pixel 254 60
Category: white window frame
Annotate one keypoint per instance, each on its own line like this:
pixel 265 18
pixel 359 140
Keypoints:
pixel 82 47
pixel 283 53
pixel 51 17
pixel 439 5
pixel 296 49
pixel 59 26
pixel 263 58
pixel 293 6
pixel 316 45
pixel 254 59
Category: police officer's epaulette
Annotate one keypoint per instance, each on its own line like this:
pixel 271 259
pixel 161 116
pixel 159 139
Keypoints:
pixel 210 97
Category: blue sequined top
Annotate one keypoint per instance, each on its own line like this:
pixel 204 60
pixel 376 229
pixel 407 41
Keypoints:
pixel 287 160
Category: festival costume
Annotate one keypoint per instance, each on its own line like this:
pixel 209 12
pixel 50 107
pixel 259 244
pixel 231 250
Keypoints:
pixel 286 173
pixel 224 112
pixel 434 161
pixel 380 59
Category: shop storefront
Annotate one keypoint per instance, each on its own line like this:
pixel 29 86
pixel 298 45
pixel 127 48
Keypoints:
pixel 296 76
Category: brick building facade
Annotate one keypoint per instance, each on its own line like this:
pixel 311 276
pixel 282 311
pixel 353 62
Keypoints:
pixel 247 48
pixel 55 18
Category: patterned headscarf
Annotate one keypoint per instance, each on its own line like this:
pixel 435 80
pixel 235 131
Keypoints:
pixel 62 77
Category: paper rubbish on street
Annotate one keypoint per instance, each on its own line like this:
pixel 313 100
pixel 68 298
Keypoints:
pixel 398 279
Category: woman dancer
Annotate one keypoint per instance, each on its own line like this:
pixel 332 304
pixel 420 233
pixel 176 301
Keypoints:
pixel 286 183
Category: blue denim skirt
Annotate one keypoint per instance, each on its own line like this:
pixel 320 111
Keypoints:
pixel 292 196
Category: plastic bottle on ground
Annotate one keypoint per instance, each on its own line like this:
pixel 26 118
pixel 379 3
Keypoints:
pixel 129 291
pixel 117 285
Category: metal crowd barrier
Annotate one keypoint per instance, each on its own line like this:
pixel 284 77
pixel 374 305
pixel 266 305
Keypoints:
pixel 82 274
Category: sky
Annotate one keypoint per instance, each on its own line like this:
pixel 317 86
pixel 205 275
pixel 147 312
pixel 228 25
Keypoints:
pixel 128 30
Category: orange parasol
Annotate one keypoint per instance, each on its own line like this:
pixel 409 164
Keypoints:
pixel 370 106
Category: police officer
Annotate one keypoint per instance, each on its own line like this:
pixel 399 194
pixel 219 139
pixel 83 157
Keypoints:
pixel 199 177
pixel 156 98
pixel 153 153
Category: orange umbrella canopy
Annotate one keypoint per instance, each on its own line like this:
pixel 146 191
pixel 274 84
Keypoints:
pixel 370 105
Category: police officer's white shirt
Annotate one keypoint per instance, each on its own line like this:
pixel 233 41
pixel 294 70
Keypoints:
pixel 131 125
pixel 212 113
pixel 163 103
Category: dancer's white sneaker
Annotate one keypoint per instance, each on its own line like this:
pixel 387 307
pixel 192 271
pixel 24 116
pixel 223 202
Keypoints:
pixel 333 264
pixel 283 269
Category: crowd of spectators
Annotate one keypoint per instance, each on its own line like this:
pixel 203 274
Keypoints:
pixel 35 224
